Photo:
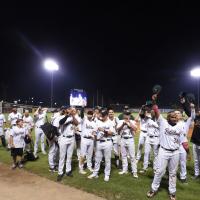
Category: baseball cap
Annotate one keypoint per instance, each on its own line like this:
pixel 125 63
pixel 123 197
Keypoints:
pixel 126 107
pixel 127 112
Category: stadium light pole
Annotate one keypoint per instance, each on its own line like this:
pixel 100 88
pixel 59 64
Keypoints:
pixel 51 65
pixel 196 74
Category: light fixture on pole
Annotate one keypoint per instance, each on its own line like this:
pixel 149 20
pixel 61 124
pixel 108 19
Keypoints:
pixel 196 74
pixel 51 65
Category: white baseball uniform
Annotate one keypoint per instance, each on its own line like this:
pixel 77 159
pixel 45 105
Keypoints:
pixel 152 141
pixel 12 118
pixel 2 122
pixel 28 122
pixel 168 154
pixel 142 138
pixel 18 136
pixel 66 143
pixel 87 141
pixel 127 146
pixel 183 153
pixel 39 134
pixel 103 147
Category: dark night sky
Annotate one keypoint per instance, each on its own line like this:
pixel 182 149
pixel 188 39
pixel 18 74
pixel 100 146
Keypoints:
pixel 121 49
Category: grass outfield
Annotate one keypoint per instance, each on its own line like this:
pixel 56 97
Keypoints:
pixel 119 187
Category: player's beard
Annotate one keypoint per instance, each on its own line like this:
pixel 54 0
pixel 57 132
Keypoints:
pixel 172 123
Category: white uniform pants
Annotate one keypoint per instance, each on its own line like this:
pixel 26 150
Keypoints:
pixel 182 161
pixel 53 154
pixel 141 143
pixel 66 148
pixel 87 147
pixel 128 148
pixel 1 131
pixel 151 143
pixel 170 159
pixel 77 146
pixel 196 156
pixel 39 135
pixel 103 149
pixel 116 145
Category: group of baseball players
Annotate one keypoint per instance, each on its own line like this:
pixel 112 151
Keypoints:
pixel 97 134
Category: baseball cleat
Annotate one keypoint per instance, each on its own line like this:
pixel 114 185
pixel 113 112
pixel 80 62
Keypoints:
pixel 69 174
pixel 106 178
pixel 151 193
pixel 135 175
pixel 20 165
pixel 172 196
pixel 123 172
pixel 59 178
pixel 90 169
pixel 14 166
pixel 184 181
pixel 44 152
pixel 142 171
pixel 82 172
pixel 91 176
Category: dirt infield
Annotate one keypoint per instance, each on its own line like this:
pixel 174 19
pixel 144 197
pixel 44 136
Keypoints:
pixel 22 185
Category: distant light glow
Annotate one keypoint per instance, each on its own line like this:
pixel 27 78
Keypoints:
pixel 50 65
pixel 195 72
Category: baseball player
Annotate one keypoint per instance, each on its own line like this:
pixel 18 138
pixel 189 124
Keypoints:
pixel 97 113
pixel 195 139
pixel 121 115
pixel 152 141
pixel 142 118
pixel 53 144
pixel 66 142
pixel 13 116
pixel 168 155
pixel 116 138
pixel 2 123
pixel 28 120
pixel 184 151
pixel 126 129
pixel 89 129
pixel 17 136
pixel 39 118
pixel 103 146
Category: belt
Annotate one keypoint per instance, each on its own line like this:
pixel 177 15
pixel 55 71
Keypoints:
pixel 68 136
pixel 127 138
pixel 152 136
pixel 104 140
pixel 172 150
pixel 144 131
pixel 89 137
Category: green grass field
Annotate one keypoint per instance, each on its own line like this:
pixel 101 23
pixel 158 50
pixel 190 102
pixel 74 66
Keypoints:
pixel 119 187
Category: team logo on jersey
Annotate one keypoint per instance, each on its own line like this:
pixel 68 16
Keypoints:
pixel 170 132
pixel 88 126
